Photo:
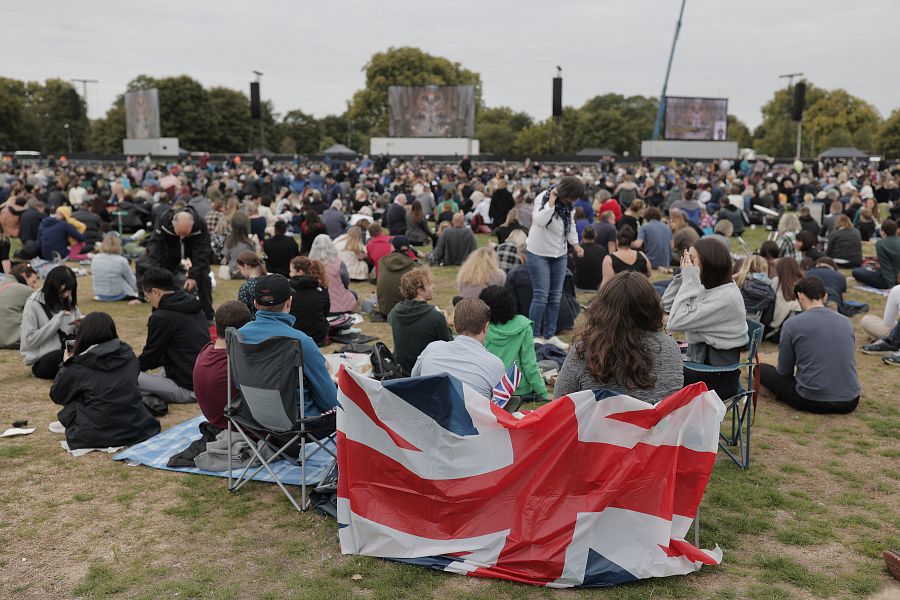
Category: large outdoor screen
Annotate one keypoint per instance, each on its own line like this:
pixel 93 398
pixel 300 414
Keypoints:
pixel 696 118
pixel 142 114
pixel 432 111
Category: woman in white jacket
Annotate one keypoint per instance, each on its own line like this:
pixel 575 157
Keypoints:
pixel 704 302
pixel 552 230
pixel 49 318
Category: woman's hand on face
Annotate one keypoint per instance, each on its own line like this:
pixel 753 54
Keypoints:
pixel 686 260
pixel 552 200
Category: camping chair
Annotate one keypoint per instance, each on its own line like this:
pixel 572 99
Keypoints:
pixel 742 404
pixel 264 412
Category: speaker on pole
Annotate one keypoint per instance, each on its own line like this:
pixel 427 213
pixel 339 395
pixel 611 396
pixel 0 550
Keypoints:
pixel 799 101
pixel 255 112
pixel 557 97
pixel 74 104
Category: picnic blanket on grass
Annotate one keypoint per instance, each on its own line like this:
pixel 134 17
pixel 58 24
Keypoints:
pixel 156 452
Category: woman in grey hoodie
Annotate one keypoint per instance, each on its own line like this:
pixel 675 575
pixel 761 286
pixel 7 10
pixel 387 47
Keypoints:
pixel 49 318
pixel 704 302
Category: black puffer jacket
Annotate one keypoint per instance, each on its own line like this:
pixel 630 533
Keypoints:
pixel 310 307
pixel 176 333
pixel 167 250
pixel 102 405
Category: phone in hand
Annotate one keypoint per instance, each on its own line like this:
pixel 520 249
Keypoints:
pixel 70 346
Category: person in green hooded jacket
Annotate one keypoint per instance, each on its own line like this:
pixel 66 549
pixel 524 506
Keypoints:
pixel 510 337
pixel 414 322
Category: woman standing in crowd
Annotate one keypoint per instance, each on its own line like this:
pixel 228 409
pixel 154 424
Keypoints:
pixel 478 271
pixel 311 304
pixel 237 243
pixel 417 230
pixel 48 319
pixel 510 338
pixel 14 293
pixel 552 230
pixel 620 345
pixel 845 242
pixel 97 387
pixel 342 299
pixel 625 258
pixel 251 268
pixel 704 302
pixel 352 253
pixel 113 278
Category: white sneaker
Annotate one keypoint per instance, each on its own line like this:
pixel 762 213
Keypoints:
pixel 558 343
pixel 539 340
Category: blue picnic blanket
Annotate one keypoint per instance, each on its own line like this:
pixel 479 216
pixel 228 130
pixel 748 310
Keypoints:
pixel 156 452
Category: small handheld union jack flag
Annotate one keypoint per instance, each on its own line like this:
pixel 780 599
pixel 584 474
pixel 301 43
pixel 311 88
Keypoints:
pixel 505 390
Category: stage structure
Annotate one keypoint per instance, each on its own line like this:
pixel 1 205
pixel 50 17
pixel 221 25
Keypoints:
pixel 429 121
pixel 142 126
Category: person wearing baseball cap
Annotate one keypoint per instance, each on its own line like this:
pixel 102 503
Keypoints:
pixel 274 298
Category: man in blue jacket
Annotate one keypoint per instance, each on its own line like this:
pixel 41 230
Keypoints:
pixel 53 234
pixel 273 319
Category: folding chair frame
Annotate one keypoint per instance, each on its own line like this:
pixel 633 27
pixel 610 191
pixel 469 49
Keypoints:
pixel 741 406
pixel 301 434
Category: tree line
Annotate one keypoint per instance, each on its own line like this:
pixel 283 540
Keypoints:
pixel 35 116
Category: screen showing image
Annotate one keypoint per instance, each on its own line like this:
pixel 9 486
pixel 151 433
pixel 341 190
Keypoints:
pixel 696 118
pixel 432 111
pixel 142 114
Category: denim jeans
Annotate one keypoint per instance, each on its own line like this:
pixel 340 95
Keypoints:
pixel 547 277
pixel 871 278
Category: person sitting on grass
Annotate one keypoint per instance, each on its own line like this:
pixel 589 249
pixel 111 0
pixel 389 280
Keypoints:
pixel 816 369
pixel 14 294
pixel 479 270
pixel 177 331
pixel 273 319
pixel 621 344
pixel 510 337
pixel 887 249
pixel 414 322
pixel 98 390
pixel 49 317
pixel 280 249
pixel 879 327
pixel 310 304
pixel 465 357
pixel 455 244
pixel 251 268
pixel 211 368
pixel 393 266
pixel 112 275
pixel 589 267
pixel 835 281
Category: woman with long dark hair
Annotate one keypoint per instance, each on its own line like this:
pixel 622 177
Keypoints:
pixel 552 231
pixel 417 230
pixel 311 227
pixel 621 345
pixel 97 387
pixel 237 242
pixel 705 303
pixel 48 319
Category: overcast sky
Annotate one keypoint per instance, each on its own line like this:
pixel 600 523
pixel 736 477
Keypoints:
pixel 313 53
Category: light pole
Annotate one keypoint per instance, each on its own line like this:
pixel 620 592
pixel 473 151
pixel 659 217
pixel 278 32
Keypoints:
pixel 84 83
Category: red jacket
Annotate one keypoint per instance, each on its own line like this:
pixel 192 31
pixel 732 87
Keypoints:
pixel 613 205
pixel 378 247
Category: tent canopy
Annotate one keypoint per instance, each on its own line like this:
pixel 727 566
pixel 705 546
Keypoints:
pixel 843 152
pixel 595 152
pixel 339 149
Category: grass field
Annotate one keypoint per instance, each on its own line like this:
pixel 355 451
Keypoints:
pixel 809 519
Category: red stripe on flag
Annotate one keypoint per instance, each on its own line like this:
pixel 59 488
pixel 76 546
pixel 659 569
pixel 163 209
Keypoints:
pixel 358 396
pixel 648 418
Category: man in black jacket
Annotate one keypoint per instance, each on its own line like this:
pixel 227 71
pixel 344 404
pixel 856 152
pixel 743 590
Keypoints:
pixel 502 202
pixel 181 244
pixel 280 249
pixel 176 333
pixel 31 221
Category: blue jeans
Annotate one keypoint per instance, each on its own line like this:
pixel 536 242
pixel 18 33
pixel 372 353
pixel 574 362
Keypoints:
pixel 547 277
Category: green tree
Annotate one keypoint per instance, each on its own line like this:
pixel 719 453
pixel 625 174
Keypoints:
pixel 50 108
pixel 304 131
pixel 497 128
pixel 368 111
pixel 17 128
pixel 108 131
pixel 739 132
pixel 230 123
pixel 539 138
pixel 831 118
pixel 889 136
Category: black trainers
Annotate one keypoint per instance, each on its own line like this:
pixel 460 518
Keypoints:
pixel 878 347
pixel 892 359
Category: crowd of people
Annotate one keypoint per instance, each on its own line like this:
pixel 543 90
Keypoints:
pixel 660 245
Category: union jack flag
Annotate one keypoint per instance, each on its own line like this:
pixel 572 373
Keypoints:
pixel 505 390
pixel 591 489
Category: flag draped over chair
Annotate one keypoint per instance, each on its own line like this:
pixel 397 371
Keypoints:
pixel 592 489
